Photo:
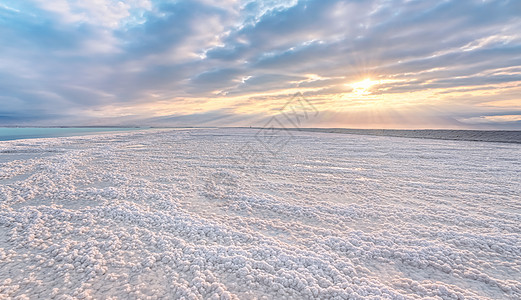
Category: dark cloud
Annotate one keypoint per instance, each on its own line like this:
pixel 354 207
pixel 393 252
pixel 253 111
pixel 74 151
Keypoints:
pixel 209 118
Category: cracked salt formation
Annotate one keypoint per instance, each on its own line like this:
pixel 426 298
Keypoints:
pixel 177 214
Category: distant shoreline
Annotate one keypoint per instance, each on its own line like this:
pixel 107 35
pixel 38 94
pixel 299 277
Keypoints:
pixel 21 133
pixel 14 126
pixel 495 136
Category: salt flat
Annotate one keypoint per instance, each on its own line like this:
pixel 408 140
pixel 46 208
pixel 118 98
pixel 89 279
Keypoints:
pixel 238 213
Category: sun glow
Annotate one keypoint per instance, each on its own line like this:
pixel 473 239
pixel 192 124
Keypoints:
pixel 363 87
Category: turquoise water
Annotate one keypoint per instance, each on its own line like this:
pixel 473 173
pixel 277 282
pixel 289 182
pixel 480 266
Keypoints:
pixel 17 133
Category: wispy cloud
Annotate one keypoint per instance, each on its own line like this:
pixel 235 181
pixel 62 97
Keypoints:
pixel 95 61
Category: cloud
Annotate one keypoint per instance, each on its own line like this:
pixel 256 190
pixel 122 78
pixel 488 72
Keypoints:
pixel 69 59
pixel 209 118
pixel 216 79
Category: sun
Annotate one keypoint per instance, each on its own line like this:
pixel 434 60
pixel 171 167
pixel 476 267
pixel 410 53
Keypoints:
pixel 363 87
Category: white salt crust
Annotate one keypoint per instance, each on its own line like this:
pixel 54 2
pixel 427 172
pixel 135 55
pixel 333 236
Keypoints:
pixel 185 214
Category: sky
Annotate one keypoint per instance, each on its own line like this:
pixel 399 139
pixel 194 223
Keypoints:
pixel 353 64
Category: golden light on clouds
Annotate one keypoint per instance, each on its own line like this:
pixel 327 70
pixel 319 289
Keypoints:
pixel 144 62
pixel 363 87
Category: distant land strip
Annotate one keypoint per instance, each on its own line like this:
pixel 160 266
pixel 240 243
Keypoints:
pixel 496 136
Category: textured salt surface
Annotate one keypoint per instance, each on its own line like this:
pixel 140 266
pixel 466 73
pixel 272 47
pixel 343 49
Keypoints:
pixel 172 214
